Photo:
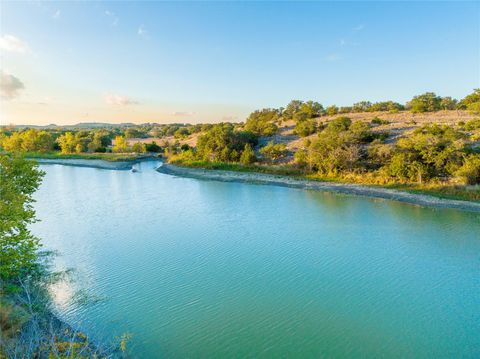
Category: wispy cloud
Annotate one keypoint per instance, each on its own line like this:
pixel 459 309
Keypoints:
pixel 56 14
pixel 183 114
pixel 119 100
pixel 11 43
pixel 358 28
pixel 113 18
pixel 142 30
pixel 10 86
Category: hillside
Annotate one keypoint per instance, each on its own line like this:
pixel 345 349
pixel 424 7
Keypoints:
pixel 399 124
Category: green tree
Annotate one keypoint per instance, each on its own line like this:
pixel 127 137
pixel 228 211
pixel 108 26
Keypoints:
pixel 222 143
pixel 431 151
pixel 248 155
pixel 384 106
pixel 19 179
pixel 427 102
pixel 182 132
pixel 448 103
pixel 153 147
pixel 332 110
pixel 292 108
pixel 341 123
pixel 362 106
pixel 274 151
pixel 312 109
pixel 262 122
pixel 139 147
pixel 306 127
pixel 469 172
pixel 470 100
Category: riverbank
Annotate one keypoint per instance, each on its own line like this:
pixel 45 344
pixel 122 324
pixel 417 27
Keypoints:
pixel 102 164
pixel 109 163
pixel 292 182
pixel 107 156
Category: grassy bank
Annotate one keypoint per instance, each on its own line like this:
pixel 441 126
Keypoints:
pixel 111 157
pixel 446 191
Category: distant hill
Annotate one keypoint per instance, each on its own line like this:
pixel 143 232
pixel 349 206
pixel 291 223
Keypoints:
pixel 81 125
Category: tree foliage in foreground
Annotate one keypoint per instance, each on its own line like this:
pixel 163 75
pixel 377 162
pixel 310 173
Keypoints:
pixel 19 179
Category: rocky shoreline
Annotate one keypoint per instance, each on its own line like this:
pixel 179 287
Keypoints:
pixel 285 181
pixel 102 164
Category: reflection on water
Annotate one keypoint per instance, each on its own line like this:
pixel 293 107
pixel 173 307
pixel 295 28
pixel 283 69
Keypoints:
pixel 212 269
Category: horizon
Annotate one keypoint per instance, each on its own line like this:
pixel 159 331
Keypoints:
pixel 114 62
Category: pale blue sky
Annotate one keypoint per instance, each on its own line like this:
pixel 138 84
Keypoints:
pixel 208 61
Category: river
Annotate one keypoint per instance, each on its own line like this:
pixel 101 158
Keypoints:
pixel 194 268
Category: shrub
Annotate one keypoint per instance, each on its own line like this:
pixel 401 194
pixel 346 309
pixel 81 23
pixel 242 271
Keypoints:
pixel 469 172
pixel 248 155
pixel 274 151
pixel 379 121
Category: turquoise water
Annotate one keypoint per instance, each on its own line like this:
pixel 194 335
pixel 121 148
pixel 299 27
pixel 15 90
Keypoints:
pixel 208 269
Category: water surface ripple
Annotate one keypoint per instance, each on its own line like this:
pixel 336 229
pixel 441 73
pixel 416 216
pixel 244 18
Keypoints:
pixel 197 268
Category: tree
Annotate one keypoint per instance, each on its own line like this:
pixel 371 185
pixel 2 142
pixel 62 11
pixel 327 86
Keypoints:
pixel 121 144
pixel 448 103
pixel 389 106
pixel 182 132
pixel 13 143
pixel 292 108
pixel 45 142
pixel 274 151
pixel 332 110
pixel 19 179
pixel 222 143
pixel 139 147
pixel 248 155
pixel 153 147
pixel 29 143
pixel 362 106
pixel 309 109
pixel 67 142
pixel 133 133
pixel 428 102
pixel 431 151
pixel 95 145
pixel 470 100
pixel 306 127
pixel 469 172
pixel 312 109
pixel 339 124
pixel 334 151
pixel 262 122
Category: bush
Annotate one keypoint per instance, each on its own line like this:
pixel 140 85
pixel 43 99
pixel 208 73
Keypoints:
pixel 470 170
pixel 274 151
pixel 248 155
pixel 427 102
pixel 262 122
pixel 472 124
pixel 153 147
pixel 379 121
pixel 139 147
pixel 306 127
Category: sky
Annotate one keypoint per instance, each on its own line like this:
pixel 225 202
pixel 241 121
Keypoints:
pixel 70 62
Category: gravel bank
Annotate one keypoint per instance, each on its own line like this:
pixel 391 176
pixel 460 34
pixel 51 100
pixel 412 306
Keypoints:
pixel 107 165
pixel 267 179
